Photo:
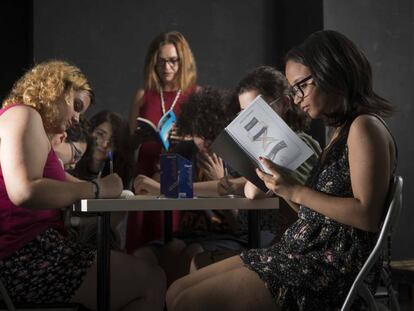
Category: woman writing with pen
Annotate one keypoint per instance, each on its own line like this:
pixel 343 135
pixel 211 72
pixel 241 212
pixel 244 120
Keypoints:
pixel 110 134
pixel 107 154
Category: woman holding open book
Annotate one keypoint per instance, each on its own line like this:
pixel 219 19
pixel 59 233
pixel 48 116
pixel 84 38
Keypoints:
pixel 169 77
pixel 340 206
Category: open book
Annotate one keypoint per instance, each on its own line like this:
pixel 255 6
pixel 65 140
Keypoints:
pixel 162 130
pixel 258 131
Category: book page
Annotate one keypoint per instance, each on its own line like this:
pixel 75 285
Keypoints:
pixel 143 123
pixel 260 131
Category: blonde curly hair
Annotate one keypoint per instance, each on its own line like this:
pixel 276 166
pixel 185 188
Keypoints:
pixel 44 84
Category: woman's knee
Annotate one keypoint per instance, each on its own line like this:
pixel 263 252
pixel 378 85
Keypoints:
pixel 173 292
pixel 147 254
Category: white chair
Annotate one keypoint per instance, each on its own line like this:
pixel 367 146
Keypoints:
pixel 393 208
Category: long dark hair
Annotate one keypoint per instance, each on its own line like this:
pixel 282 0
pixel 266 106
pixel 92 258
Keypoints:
pixel 339 67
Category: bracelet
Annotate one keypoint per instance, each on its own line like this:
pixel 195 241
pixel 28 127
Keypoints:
pixel 97 188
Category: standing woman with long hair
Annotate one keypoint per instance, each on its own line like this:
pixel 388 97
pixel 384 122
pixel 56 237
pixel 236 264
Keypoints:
pixel 170 75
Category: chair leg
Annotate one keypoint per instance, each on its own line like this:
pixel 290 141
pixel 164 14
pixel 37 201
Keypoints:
pixel 392 294
pixel 367 296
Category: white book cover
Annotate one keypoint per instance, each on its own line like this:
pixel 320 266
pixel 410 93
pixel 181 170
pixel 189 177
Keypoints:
pixel 261 132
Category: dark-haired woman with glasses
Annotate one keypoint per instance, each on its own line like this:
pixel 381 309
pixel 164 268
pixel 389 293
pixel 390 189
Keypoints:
pixel 340 207
pixel 170 75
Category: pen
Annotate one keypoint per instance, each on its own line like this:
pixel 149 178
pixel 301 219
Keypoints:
pixel 111 162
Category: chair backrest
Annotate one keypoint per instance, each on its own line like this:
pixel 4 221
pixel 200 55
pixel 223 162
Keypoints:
pixel 393 208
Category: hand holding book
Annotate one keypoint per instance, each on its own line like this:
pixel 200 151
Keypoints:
pixel 258 131
pixel 148 131
pixel 279 180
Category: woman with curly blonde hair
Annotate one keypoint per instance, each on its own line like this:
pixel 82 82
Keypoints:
pixel 38 263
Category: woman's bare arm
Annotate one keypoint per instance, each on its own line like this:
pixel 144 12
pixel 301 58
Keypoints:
pixel 371 155
pixel 23 154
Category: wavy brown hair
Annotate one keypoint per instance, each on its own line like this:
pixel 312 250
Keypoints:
pixel 44 84
pixel 187 72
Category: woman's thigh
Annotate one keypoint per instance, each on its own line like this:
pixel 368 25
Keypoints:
pixel 200 275
pixel 236 289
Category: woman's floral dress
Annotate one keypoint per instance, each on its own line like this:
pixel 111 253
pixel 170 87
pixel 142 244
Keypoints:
pixel 317 259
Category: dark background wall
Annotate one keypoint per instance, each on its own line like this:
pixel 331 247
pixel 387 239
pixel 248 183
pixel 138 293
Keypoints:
pixel 16 44
pixel 385 31
pixel 108 39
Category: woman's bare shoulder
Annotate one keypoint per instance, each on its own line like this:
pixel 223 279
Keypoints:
pixel 370 124
pixel 139 94
pixel 20 115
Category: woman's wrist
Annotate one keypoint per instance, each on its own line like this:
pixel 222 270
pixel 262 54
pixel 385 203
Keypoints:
pixel 297 194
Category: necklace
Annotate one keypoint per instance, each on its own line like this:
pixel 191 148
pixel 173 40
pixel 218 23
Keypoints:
pixel 173 103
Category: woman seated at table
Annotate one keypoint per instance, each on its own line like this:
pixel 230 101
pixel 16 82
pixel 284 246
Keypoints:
pixel 38 264
pixel 340 207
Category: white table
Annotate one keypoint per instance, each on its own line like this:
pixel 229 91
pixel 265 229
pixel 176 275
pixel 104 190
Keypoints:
pixel 150 203
pixel 153 203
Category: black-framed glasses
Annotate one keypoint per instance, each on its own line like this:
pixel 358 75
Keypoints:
pixel 298 89
pixel 172 62
pixel 76 153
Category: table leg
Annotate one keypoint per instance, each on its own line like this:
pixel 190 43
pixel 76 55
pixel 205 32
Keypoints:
pixel 103 262
pixel 168 220
pixel 254 229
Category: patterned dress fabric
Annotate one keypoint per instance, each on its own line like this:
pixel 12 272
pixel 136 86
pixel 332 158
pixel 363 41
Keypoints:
pixel 317 259
pixel 47 270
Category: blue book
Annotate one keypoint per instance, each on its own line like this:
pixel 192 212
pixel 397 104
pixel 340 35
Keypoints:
pixel 162 130
pixel 176 176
